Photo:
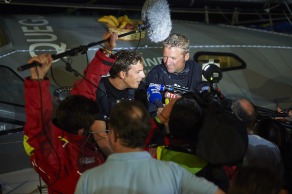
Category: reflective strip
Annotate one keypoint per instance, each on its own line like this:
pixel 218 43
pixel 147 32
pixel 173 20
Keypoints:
pixel 28 148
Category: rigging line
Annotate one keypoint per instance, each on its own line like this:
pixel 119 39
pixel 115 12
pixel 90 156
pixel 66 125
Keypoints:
pixel 285 2
pixel 287 17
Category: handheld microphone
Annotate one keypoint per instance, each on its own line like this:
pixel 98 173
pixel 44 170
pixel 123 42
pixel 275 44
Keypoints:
pixel 154 96
pixel 170 95
pixel 204 89
pixel 175 89
pixel 160 87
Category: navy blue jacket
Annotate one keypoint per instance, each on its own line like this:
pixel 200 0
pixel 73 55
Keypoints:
pixel 190 79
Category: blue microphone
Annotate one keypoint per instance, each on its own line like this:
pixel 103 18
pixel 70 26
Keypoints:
pixel 161 87
pixel 158 87
pixel 154 96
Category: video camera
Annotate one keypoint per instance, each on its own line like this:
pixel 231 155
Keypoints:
pixel 211 71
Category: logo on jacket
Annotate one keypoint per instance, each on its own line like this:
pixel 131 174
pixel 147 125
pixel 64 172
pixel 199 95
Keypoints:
pixel 86 160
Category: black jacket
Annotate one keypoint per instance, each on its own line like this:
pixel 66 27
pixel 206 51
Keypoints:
pixel 189 80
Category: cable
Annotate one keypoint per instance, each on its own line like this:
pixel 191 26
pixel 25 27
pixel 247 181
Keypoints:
pixel 138 41
pixel 47 137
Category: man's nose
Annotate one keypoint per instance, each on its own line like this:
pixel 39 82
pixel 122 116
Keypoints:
pixel 165 59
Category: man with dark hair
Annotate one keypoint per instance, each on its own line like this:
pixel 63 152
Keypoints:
pixel 255 179
pixel 135 171
pixel 60 150
pixel 188 113
pixel 125 76
pixel 119 80
pixel 76 112
pixel 288 117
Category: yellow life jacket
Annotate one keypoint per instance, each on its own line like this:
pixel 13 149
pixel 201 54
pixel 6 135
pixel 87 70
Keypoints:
pixel 188 161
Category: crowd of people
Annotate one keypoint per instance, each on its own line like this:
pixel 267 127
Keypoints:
pixel 106 137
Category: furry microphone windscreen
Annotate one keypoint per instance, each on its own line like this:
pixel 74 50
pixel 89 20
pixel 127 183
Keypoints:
pixel 156 14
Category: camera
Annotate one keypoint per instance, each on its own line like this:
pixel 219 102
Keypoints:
pixel 211 71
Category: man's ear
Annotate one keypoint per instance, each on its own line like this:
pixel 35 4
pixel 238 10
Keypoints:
pixel 80 132
pixel 122 74
pixel 187 56
pixel 113 135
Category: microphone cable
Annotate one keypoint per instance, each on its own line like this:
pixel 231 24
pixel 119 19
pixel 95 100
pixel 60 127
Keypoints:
pixel 139 41
pixel 47 137
pixel 70 69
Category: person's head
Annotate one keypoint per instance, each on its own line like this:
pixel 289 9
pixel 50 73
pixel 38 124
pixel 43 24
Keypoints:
pixel 176 52
pixel 129 124
pixel 245 111
pixel 289 111
pixel 273 131
pixel 205 99
pixel 185 118
pixel 128 67
pixel 76 114
pixel 254 179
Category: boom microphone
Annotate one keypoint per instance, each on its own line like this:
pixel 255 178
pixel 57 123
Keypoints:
pixel 71 52
pixel 156 14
